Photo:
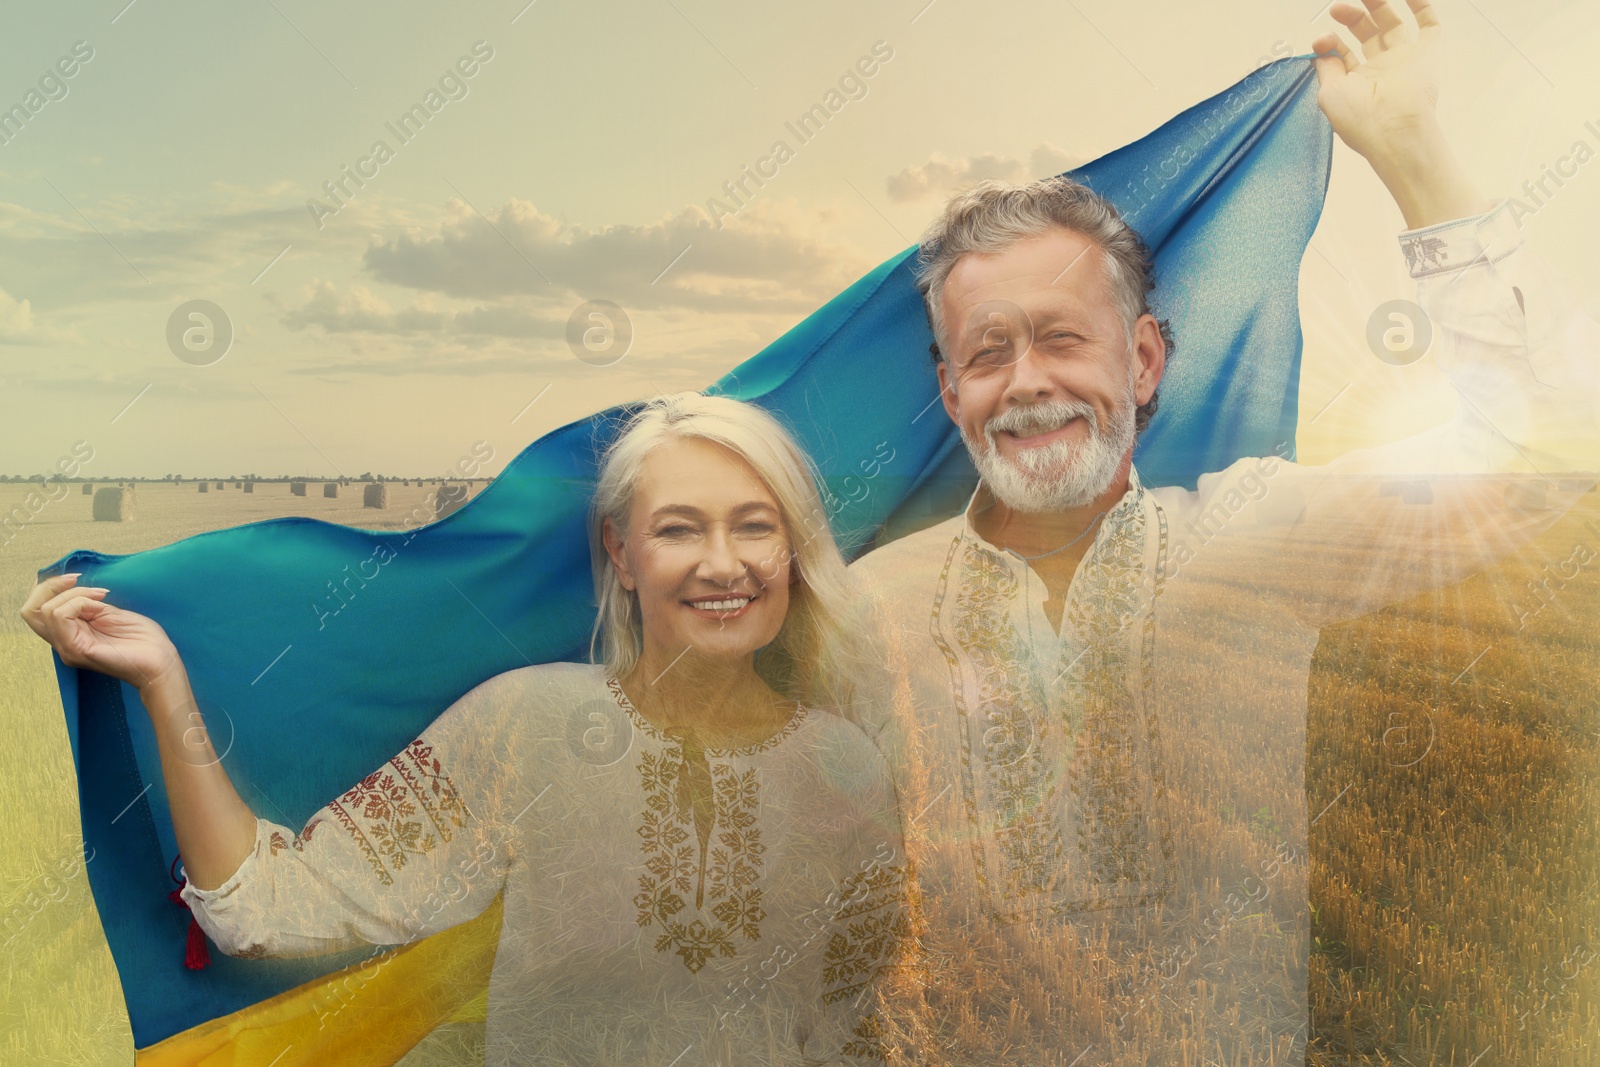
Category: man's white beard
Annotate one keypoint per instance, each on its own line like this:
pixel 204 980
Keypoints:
pixel 1062 474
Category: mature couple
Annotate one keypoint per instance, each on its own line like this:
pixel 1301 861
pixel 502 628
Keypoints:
pixel 1045 795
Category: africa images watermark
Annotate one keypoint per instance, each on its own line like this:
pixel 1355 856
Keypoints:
pixel 857 893
pixel 1566 167
pixel 340 595
pixel 1206 128
pixel 1543 591
pixel 418 920
pixel 1162 973
pixel 452 887
pixel 199 332
pixel 852 85
pixel 49 491
pixel 52 86
pixel 453 85
pixel 52 886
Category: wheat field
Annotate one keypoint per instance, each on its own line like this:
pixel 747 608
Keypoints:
pixel 1454 877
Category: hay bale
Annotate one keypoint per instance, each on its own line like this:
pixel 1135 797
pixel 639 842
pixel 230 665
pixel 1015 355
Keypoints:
pixel 1408 492
pixel 203 486
pixel 297 488
pixel 114 504
pixel 238 484
pixel 249 487
pixel 1417 493
pixel 375 495
pixel 449 499
pixel 330 489
pixel 88 489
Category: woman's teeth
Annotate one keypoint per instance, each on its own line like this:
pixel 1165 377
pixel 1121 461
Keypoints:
pixel 731 604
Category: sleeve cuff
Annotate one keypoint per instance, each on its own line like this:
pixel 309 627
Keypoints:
pixel 193 893
pixel 1456 245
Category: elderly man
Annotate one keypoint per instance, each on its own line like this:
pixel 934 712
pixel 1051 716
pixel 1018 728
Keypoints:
pixel 1098 716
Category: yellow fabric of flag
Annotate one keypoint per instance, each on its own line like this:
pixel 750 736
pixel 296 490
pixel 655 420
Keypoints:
pixel 369 1014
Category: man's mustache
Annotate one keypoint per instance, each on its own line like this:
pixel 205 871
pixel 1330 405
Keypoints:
pixel 1040 418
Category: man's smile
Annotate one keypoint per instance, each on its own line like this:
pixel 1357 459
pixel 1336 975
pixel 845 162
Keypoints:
pixel 1037 438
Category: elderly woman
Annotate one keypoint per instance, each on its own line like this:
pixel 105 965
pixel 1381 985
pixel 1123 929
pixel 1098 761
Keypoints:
pixel 700 857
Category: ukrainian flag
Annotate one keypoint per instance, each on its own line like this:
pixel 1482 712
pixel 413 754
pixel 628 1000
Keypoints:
pixel 1226 194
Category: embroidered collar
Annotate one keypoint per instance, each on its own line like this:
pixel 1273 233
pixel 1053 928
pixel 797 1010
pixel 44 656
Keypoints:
pixel 796 718
pixel 1131 503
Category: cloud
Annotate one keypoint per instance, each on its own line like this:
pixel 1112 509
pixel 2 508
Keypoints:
pixel 63 263
pixel 359 310
pixel 16 320
pixel 402 287
pixel 425 336
pixel 18 325
pixel 942 175
pixel 123 249
pixel 766 260
pixel 700 296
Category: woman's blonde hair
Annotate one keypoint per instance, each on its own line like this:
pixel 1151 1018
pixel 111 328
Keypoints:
pixel 818 654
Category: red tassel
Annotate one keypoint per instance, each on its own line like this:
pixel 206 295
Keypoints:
pixel 195 955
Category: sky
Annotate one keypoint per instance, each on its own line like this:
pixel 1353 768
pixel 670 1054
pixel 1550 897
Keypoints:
pixel 390 325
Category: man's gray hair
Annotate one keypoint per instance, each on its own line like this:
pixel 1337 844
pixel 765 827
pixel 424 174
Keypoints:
pixel 994 215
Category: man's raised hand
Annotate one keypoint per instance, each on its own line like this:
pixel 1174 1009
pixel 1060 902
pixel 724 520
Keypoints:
pixel 1385 92
pixel 1381 100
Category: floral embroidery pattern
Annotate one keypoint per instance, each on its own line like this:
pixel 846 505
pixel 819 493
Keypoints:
pixel 1110 782
pixel 867 1042
pixel 699 835
pixel 405 808
pixel 701 843
pixel 1014 765
pixel 277 843
pixel 873 928
pixel 1057 800
pixel 427 778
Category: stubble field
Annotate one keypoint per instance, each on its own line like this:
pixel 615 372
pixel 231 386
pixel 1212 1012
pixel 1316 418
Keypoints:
pixel 1454 876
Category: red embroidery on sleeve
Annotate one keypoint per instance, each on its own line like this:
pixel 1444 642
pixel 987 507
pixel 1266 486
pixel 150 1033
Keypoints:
pixel 404 808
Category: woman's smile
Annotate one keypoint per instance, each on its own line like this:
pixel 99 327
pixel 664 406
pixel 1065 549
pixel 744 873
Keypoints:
pixel 721 606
